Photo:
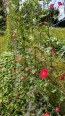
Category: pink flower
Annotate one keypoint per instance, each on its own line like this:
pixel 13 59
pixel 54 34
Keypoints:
pixel 17 59
pixel 51 6
pixel 45 22
pixel 46 114
pixel 26 69
pixel 57 109
pixel 60 4
pixel 44 73
pixel 62 76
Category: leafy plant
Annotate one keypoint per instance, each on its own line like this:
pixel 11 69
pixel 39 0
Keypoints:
pixel 32 72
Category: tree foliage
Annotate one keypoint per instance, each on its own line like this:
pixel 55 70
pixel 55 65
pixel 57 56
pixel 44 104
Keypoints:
pixel 2 15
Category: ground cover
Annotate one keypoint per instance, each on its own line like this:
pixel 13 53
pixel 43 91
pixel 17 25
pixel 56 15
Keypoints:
pixel 20 75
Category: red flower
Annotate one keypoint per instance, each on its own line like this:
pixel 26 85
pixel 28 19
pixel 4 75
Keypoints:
pixel 61 107
pixel 45 22
pixel 13 70
pixel 51 6
pixel 22 59
pixel 57 109
pixel 24 78
pixel 54 51
pixel 17 97
pixel 44 73
pixel 18 59
pixel 60 4
pixel 0 67
pixel 46 114
pixel 26 69
pixel 62 76
pixel 9 100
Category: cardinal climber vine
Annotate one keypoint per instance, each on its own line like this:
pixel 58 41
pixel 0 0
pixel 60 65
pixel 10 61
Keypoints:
pixel 32 72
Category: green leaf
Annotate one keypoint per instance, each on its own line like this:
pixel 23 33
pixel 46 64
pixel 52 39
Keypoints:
pixel 53 91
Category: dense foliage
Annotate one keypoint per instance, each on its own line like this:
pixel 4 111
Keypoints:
pixel 50 16
pixel 32 72
pixel 2 15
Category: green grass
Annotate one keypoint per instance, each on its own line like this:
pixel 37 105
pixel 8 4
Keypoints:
pixel 3 43
pixel 57 32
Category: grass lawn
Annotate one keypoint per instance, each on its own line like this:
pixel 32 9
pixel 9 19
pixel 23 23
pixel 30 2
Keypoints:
pixel 3 43
pixel 58 32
